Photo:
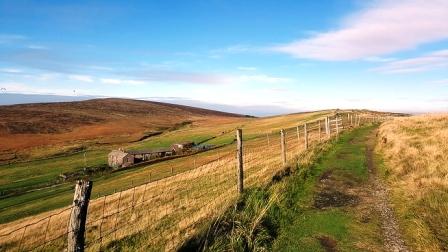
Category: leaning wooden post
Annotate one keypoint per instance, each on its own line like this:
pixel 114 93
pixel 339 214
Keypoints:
pixel 78 216
pixel 239 157
pixel 305 136
pixel 283 143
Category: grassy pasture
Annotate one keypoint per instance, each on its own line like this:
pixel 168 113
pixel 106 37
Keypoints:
pixel 283 217
pixel 176 203
pixel 415 166
pixel 41 173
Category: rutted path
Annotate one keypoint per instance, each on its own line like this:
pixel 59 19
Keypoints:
pixel 390 229
pixel 343 204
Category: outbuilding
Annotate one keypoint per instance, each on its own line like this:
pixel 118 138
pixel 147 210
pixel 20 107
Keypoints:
pixel 120 159
pixel 180 148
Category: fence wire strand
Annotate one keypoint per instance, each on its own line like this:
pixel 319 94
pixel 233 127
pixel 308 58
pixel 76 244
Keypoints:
pixel 164 212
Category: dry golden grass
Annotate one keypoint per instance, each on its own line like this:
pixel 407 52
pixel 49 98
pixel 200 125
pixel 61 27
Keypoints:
pixel 167 211
pixel 416 155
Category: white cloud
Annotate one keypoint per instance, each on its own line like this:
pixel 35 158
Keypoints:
pixel 259 78
pixel 19 87
pixel 11 38
pixel 121 81
pixel 83 78
pixel 385 27
pixel 10 70
pixel 431 61
pixel 37 47
pixel 442 82
pixel 379 59
pixel 243 68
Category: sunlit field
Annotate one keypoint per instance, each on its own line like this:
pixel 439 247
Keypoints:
pixel 416 153
pixel 163 213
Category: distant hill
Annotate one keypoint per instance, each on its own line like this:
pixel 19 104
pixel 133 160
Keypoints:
pixel 50 123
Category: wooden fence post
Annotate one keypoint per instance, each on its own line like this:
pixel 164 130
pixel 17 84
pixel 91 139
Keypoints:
pixel 283 142
pixel 305 136
pixel 298 134
pixel 329 127
pixel 351 119
pixel 239 157
pixel 320 131
pixel 337 126
pixel 78 216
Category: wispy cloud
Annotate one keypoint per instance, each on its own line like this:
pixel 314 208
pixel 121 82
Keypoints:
pixel 114 81
pixel 10 70
pixel 257 78
pixel 202 78
pixel 234 49
pixel 384 27
pixel 245 68
pixel 83 78
pixel 11 38
pixel 431 61
pixel 37 47
pixel 379 59
pixel 442 82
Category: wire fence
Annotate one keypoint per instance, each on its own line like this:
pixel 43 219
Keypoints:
pixel 162 214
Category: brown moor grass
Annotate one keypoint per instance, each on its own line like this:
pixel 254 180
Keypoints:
pixel 416 153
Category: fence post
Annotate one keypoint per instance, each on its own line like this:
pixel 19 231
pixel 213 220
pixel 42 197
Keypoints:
pixel 351 119
pixel 337 126
pixel 283 143
pixel 298 134
pixel 239 157
pixel 305 136
pixel 78 216
pixel 329 127
pixel 320 130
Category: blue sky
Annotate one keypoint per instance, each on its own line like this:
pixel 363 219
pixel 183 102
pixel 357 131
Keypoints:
pixel 279 55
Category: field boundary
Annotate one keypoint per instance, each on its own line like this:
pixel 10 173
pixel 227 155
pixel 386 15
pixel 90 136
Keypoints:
pixel 169 209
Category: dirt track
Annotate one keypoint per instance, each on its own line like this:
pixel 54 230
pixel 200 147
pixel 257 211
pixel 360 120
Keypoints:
pixel 390 229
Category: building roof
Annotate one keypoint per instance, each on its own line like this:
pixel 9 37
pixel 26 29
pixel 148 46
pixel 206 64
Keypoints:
pixel 118 153
pixel 185 143
pixel 149 151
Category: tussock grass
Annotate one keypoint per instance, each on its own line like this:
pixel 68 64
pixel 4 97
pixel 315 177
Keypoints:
pixel 416 166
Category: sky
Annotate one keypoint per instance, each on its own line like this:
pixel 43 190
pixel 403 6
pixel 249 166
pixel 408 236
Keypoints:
pixel 277 56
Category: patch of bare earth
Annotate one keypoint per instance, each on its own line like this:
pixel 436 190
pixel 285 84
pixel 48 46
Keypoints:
pixel 369 202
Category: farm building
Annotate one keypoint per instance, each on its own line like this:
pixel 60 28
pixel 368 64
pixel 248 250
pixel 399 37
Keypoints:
pixel 125 158
pixel 144 155
pixel 180 148
pixel 119 159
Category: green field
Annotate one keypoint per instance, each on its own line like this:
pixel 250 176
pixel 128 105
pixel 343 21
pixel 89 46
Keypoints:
pixel 314 209
pixel 48 192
